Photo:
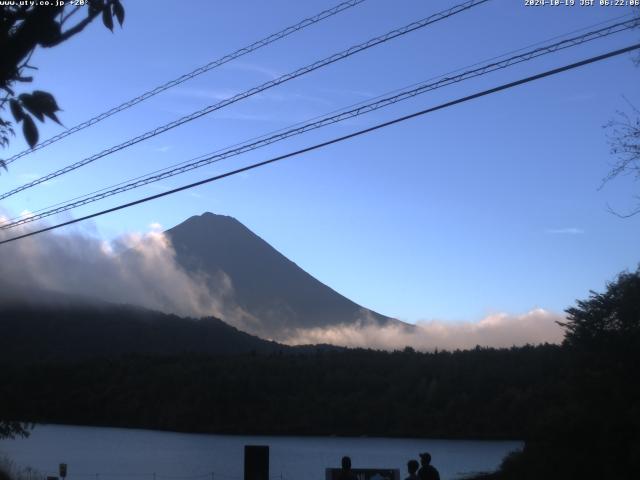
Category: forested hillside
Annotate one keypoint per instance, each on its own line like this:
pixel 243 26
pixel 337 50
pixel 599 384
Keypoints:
pixel 482 393
pixel 571 403
pixel 41 333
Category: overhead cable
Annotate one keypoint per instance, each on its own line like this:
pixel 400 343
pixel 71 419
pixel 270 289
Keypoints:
pixel 215 157
pixel 188 76
pixel 317 146
pixel 248 93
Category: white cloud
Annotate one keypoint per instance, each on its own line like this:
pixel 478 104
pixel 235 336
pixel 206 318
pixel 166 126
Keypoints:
pixel 579 97
pixel 27 177
pixel 31 176
pixel 270 73
pixel 253 117
pixel 141 269
pixel 565 231
pixel 356 93
pixel 137 269
pixel 206 93
pixel 497 330
pixel 293 97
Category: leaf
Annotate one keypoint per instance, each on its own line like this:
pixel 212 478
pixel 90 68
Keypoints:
pixel 32 105
pixel 3 164
pixel 53 117
pixel 16 109
pixel 30 131
pixel 106 19
pixel 46 100
pixel 94 7
pixel 49 33
pixel 47 104
pixel 118 11
pixel 41 103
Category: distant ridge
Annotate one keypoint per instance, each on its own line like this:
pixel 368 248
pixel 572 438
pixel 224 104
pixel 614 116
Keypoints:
pixel 266 284
pixel 64 328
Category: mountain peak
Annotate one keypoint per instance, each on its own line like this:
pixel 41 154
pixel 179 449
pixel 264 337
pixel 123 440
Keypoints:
pixel 211 217
pixel 265 284
pixel 209 224
pixel 207 215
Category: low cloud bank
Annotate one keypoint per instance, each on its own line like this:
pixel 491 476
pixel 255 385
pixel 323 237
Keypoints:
pixel 498 330
pixel 137 269
pixel 141 269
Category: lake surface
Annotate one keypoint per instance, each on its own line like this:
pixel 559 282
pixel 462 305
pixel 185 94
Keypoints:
pixel 94 453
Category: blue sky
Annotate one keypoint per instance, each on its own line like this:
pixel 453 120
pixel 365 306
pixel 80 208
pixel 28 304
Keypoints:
pixel 488 206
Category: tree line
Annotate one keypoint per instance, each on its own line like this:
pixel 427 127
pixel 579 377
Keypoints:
pixel 575 404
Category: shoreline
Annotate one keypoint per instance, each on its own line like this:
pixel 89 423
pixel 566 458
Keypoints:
pixel 280 435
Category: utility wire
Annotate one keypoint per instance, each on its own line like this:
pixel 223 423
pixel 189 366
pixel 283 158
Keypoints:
pixel 248 93
pixel 521 49
pixel 188 76
pixel 324 121
pixel 353 105
pixel 317 146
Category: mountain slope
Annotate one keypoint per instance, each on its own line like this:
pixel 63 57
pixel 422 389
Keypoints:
pixel 266 284
pixel 73 329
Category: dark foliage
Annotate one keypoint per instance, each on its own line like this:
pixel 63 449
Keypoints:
pixel 13 429
pixel 72 332
pixel 25 27
pixel 596 432
pixel 484 393
pixel 576 405
pixel 612 316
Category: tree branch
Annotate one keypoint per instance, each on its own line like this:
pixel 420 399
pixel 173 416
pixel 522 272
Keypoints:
pixel 632 213
pixel 69 15
pixel 77 28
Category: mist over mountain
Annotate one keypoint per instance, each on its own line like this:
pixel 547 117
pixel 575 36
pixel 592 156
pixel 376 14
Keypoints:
pixel 273 295
pixel 212 266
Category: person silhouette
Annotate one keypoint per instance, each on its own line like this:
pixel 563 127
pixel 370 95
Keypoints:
pixel 345 472
pixel 412 468
pixel 427 471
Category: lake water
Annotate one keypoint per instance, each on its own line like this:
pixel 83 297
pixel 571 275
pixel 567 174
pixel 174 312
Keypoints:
pixel 94 453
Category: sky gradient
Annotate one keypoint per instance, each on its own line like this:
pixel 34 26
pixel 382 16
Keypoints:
pixel 490 206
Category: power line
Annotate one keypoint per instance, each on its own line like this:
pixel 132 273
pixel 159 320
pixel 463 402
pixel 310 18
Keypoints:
pixel 248 93
pixel 273 132
pixel 317 146
pixel 324 121
pixel 194 73
pixel 521 49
